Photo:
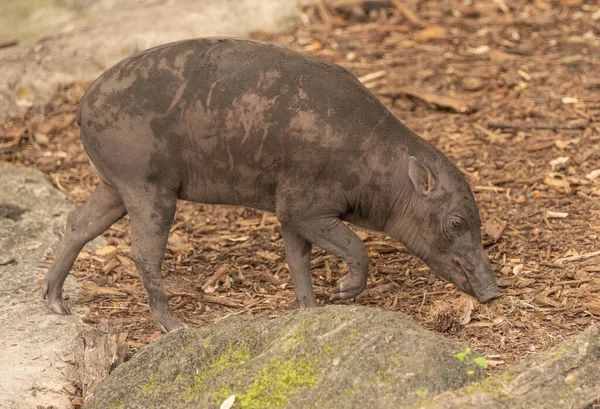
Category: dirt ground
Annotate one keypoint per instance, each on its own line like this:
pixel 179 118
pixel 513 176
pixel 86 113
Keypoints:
pixel 509 90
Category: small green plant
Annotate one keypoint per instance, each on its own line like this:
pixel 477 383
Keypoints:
pixel 461 356
pixel 469 358
pixel 481 361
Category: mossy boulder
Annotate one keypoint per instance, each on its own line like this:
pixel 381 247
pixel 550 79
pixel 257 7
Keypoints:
pixel 567 376
pixel 331 357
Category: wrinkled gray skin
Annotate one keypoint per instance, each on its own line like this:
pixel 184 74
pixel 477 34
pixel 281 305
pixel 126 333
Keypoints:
pixel 239 122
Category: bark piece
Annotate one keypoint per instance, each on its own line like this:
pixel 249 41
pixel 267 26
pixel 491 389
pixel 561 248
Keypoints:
pixel 97 353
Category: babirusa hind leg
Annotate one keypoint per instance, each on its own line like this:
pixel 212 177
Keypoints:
pixel 103 208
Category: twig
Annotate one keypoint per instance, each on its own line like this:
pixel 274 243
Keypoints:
pixel 488 189
pixel 572 282
pixel 536 125
pixel 485 131
pixel 410 16
pixel 579 257
pixel 220 301
pixel 372 76
pixel 422 301
pixel 453 103
pixel 221 272
pixel 7 44
pixel 548 264
pixel 8 261
pixel 328 18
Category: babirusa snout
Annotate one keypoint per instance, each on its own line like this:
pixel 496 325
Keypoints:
pixel 489 295
pixel 483 281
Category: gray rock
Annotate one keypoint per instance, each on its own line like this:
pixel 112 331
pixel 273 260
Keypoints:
pixel 567 376
pixel 34 343
pixel 111 30
pixel 330 357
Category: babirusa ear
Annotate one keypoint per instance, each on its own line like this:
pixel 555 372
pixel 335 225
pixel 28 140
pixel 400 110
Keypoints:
pixel 420 175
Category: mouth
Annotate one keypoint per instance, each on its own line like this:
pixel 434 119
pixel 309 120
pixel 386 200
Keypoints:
pixel 489 296
pixel 464 283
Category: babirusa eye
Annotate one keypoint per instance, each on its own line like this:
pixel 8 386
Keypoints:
pixel 456 222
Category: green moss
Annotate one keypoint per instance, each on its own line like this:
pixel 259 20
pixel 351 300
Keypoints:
pixel 277 381
pixel 221 393
pixel 300 335
pixel 152 386
pixel 326 350
pixel 421 393
pixel 493 385
pixel 562 350
pixel 395 360
pixel 348 337
pixel 386 373
pixel 424 404
pixel 233 356
pixel 350 392
pixel 208 347
pixel 179 379
pixel 563 392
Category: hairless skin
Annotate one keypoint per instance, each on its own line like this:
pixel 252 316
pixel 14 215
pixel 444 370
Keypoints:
pixel 240 122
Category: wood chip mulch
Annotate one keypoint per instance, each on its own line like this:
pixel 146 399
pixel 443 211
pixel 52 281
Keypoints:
pixel 509 90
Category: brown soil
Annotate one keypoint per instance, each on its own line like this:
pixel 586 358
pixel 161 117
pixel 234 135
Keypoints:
pixel 509 90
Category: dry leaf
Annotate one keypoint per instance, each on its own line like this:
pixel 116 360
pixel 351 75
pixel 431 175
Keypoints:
pixel 556 215
pixel 578 181
pixel 178 242
pixel 69 388
pixel 593 175
pixel 558 181
pixel 57 124
pixel 97 290
pixel 494 229
pixel 561 160
pixel 481 325
pixel 482 49
pixel 466 317
pixel 41 138
pixel 569 100
pixel 571 3
pixel 315 45
pixel 472 83
pixel 362 235
pixel 570 59
pixel 593 307
pixel 267 255
pixel 228 403
pixel 542 299
pixel 499 56
pixel 105 251
pixel 430 33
